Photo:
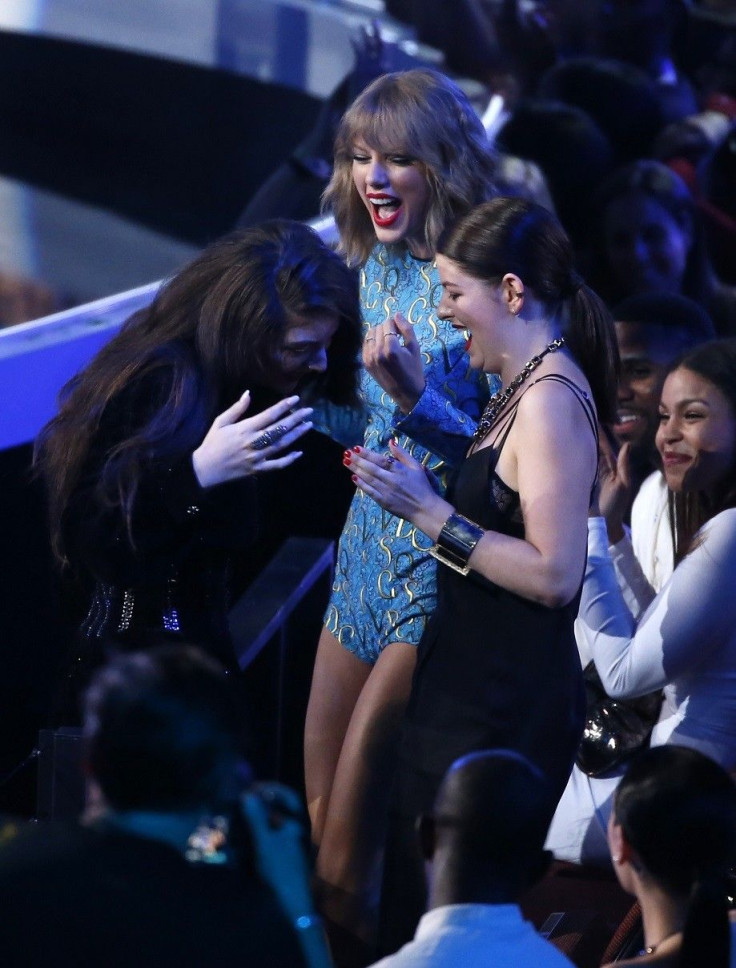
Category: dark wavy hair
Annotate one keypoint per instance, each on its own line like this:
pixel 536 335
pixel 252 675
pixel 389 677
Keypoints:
pixel 715 361
pixel 211 332
pixel 423 114
pixel 677 809
pixel 516 235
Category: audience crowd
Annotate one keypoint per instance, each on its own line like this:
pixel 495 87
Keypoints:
pixel 537 371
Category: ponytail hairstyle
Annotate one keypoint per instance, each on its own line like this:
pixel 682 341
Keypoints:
pixel 677 810
pixel 519 236
pixel 424 115
pixel 212 331
pixel 715 361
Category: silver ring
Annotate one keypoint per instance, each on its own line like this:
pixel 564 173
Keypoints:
pixel 402 341
pixel 268 437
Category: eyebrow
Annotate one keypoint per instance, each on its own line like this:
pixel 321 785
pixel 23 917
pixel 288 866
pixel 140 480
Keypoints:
pixel 688 402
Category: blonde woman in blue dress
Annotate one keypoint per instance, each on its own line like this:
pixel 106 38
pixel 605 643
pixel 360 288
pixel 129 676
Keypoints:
pixel 410 155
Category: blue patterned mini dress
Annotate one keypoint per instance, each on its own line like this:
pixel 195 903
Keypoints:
pixel 385 579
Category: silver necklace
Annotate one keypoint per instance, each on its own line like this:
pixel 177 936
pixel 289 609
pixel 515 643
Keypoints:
pixel 501 397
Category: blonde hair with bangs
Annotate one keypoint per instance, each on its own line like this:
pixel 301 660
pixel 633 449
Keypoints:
pixel 422 114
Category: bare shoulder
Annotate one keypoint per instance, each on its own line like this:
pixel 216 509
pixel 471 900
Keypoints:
pixel 560 407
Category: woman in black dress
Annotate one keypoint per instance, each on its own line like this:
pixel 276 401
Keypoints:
pixel 498 665
pixel 152 461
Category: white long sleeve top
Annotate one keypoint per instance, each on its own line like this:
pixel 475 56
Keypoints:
pixel 651 537
pixel 684 641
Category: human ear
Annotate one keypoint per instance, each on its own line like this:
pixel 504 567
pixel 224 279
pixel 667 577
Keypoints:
pixel 512 289
pixel 621 850
pixel 426 834
pixel 616 842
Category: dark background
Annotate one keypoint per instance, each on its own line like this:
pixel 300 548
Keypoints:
pixel 175 147
pixel 179 149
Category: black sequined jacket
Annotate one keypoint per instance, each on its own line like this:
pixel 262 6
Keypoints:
pixel 166 575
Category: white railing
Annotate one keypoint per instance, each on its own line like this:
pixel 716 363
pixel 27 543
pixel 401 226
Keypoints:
pixel 37 358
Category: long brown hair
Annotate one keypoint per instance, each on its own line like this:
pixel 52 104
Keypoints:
pixel 423 114
pixel 715 361
pixel 210 333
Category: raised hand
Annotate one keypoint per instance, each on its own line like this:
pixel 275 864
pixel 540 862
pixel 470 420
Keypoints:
pixel 236 447
pixel 398 483
pixel 275 817
pixel 614 487
pixel 370 57
pixel 392 356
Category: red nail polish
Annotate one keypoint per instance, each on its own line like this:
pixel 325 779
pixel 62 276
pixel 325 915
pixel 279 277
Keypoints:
pixel 354 479
pixel 356 450
pixel 346 460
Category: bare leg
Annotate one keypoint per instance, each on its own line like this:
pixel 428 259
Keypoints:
pixel 337 681
pixel 349 862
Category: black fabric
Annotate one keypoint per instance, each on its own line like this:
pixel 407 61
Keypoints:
pixel 615 729
pixel 72 895
pixel 176 147
pixel 494 670
pixel 164 576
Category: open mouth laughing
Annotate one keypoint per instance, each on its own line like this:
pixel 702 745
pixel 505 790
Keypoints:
pixel 385 209
pixel 629 423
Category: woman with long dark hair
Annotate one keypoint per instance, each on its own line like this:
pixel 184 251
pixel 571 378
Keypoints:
pixel 498 664
pixel 683 641
pixel 672 837
pixel 152 461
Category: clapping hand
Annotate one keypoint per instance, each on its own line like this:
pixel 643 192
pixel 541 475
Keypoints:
pixel 235 448
pixel 396 481
pixel 392 356
pixel 614 487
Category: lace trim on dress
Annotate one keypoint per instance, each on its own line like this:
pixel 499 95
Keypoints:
pixel 506 500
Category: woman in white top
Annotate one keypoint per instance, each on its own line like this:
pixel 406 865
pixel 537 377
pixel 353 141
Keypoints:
pixel 684 639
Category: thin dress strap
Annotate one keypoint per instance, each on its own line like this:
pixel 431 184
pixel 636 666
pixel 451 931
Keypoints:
pixel 507 420
pixel 588 408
